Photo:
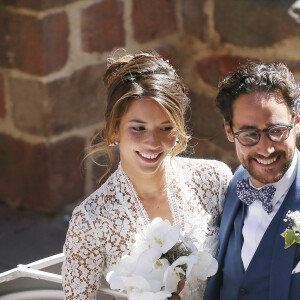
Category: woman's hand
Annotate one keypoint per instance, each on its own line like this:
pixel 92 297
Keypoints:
pixel 180 286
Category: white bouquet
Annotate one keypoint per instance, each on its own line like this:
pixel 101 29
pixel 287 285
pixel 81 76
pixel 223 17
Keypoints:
pixel 292 234
pixel 158 261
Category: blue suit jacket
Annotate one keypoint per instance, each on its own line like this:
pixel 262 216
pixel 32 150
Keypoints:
pixel 283 285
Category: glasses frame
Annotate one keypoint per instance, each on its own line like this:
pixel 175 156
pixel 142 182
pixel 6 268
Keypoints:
pixel 266 130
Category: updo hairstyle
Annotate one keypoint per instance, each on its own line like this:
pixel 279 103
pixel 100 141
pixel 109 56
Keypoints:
pixel 134 77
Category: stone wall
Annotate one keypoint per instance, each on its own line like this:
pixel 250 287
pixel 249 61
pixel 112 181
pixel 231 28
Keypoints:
pixel 52 57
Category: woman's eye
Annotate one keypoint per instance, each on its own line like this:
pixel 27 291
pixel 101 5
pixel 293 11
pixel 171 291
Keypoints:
pixel 138 128
pixel 169 128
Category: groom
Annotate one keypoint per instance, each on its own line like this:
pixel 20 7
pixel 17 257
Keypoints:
pixel 260 104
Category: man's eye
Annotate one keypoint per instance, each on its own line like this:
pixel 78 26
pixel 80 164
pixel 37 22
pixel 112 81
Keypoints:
pixel 138 128
pixel 168 128
pixel 249 134
pixel 278 130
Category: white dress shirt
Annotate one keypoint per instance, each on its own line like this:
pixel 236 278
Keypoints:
pixel 257 220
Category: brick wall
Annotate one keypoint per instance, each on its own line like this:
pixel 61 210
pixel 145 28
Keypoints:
pixel 52 58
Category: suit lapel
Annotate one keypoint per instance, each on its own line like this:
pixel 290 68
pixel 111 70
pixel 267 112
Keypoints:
pixel 230 211
pixel 283 259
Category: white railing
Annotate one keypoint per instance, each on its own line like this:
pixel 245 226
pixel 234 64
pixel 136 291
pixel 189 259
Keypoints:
pixel 33 270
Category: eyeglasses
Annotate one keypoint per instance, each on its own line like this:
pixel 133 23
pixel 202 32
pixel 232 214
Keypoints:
pixel 276 133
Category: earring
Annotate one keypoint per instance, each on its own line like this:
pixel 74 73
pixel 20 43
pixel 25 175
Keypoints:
pixel 177 141
pixel 115 142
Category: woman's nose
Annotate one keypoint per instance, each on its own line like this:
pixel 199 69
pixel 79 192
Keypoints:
pixel 153 139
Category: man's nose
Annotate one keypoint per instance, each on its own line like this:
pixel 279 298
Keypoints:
pixel 265 146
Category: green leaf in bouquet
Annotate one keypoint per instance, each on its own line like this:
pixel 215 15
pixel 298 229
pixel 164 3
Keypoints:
pixel 290 238
pixel 178 250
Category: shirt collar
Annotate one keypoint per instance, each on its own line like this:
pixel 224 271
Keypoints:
pixel 283 185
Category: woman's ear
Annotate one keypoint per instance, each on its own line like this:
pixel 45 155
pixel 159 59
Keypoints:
pixel 228 132
pixel 115 138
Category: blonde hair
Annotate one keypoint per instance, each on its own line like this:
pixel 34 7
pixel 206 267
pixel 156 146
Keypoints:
pixel 137 76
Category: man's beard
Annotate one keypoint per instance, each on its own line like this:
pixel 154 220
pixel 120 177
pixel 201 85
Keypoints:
pixel 248 165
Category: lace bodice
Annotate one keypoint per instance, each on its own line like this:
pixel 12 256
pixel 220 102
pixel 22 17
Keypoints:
pixel 103 227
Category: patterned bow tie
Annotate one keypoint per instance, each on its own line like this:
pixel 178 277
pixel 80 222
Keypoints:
pixel 249 194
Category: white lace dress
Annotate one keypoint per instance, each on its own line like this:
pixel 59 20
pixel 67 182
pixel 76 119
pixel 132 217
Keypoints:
pixel 103 227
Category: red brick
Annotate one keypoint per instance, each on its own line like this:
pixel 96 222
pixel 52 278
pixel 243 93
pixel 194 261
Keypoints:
pixel 66 176
pixel 204 148
pixel 212 69
pixel 34 46
pixel 194 19
pixel 153 19
pixel 98 171
pixel 169 53
pixel 55 42
pixel 253 23
pixel 294 66
pixel 206 123
pixel 209 139
pixel 72 102
pixel 30 105
pixel 44 177
pixel 2 97
pixel 102 26
pixel 37 5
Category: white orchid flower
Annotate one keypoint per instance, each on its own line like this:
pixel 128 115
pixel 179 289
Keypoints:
pixel 115 280
pixel 127 264
pixel 189 239
pixel 162 295
pixel 295 216
pixel 159 269
pixel 147 261
pixel 297 269
pixel 126 267
pixel 136 283
pixel 140 283
pixel 201 265
pixel 172 277
pixel 145 268
pixel 150 285
pixel 144 274
pixel 154 273
pixel 161 234
pixel 140 245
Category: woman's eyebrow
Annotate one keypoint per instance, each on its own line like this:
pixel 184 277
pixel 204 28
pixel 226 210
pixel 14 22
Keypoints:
pixel 143 122
pixel 137 121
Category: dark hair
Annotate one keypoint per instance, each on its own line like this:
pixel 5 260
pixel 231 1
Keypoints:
pixel 137 76
pixel 258 77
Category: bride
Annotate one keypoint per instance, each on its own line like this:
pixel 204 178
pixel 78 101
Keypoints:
pixel 146 104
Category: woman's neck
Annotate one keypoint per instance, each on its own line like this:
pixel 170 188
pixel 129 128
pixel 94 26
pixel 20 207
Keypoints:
pixel 148 186
pixel 152 192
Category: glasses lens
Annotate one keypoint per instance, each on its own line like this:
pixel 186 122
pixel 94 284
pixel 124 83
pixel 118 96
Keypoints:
pixel 248 138
pixel 279 133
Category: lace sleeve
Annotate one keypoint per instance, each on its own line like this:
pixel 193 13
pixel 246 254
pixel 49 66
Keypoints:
pixel 225 176
pixel 82 268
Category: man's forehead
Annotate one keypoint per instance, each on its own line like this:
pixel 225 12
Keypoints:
pixel 259 100
pixel 260 109
pixel 262 96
